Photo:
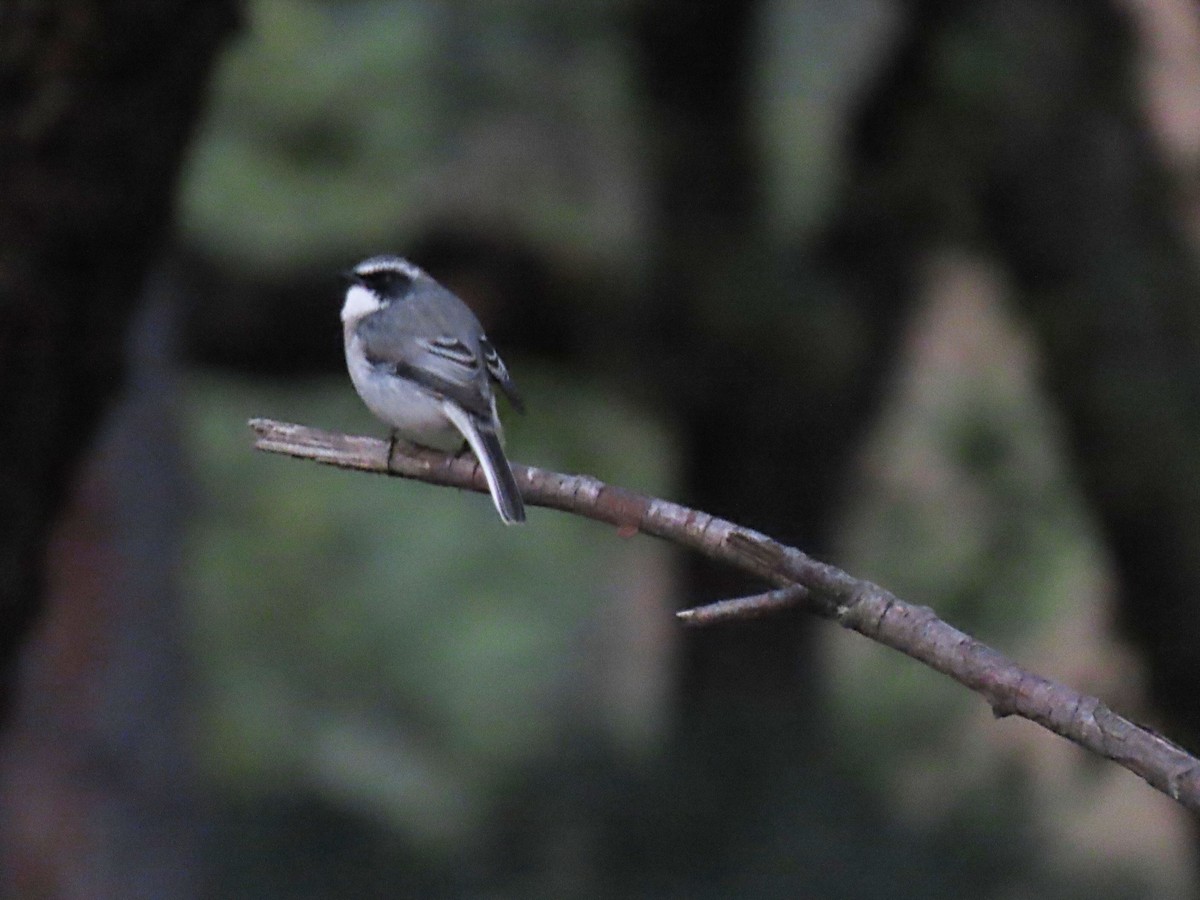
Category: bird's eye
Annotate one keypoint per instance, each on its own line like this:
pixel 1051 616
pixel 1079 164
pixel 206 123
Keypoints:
pixel 388 282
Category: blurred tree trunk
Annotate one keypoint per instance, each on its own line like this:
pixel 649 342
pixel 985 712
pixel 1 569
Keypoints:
pixel 1008 126
pixel 96 768
pixel 1095 238
pixel 772 372
pixel 1016 128
pixel 100 99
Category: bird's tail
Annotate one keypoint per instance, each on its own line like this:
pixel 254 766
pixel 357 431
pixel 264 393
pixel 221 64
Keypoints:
pixel 484 440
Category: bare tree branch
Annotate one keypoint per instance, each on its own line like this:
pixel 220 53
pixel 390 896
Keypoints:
pixel 801 582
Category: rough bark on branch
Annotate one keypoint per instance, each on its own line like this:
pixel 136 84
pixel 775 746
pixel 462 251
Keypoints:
pixel 801 581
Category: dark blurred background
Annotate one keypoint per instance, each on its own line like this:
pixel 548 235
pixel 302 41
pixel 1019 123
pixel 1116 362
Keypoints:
pixel 911 285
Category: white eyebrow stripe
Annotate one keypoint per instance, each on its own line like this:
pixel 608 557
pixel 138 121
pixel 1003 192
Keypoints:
pixel 378 264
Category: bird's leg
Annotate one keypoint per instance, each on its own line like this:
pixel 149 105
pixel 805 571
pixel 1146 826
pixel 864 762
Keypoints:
pixel 393 436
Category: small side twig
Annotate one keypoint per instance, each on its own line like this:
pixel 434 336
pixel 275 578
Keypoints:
pixel 800 581
pixel 755 606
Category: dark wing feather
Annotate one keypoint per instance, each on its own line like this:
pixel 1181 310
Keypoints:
pixel 507 495
pixel 443 366
pixel 466 396
pixel 499 374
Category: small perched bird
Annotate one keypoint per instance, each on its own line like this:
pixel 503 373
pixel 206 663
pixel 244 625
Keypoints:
pixel 419 359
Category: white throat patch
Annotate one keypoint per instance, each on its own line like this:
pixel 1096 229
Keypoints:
pixel 360 302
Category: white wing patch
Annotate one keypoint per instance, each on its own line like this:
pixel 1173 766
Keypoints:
pixel 453 350
pixel 493 361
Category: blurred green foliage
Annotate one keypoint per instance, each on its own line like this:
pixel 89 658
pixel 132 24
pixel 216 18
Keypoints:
pixel 356 630
pixel 965 503
pixel 388 646
pixel 336 127
pixel 311 141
